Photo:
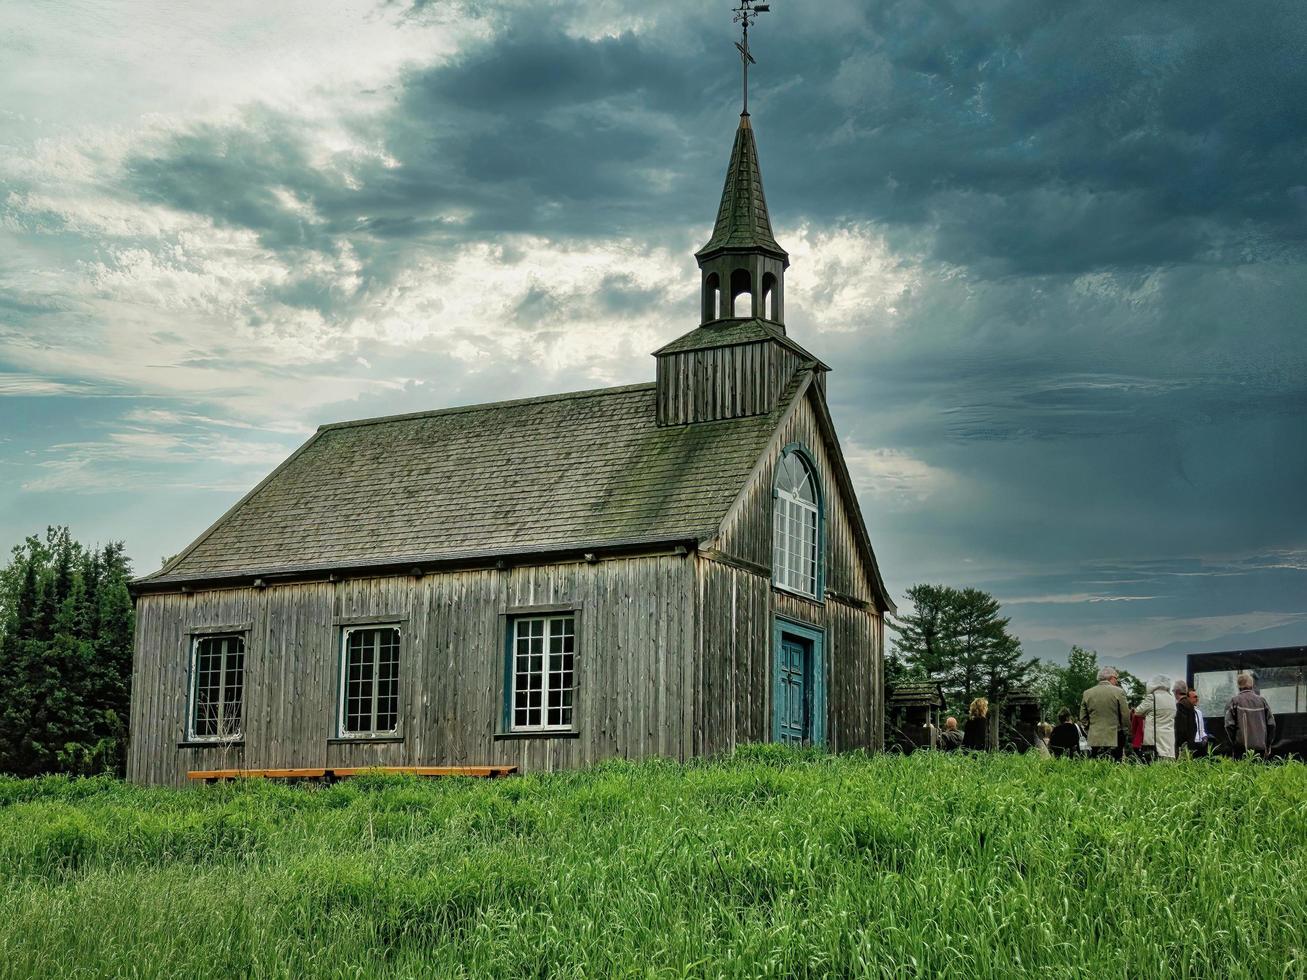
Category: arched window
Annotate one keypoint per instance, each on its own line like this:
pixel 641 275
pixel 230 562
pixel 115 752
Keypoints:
pixel 796 525
pixel 741 293
pixel 768 296
pixel 712 298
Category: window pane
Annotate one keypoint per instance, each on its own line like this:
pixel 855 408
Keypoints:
pixel 543 672
pixel 218 686
pixel 778 545
pixel 795 526
pixel 782 545
pixel 371 695
pixel 527 676
pixel 562 640
pixel 810 552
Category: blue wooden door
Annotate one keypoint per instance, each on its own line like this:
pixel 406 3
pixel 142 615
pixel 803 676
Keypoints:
pixel 792 692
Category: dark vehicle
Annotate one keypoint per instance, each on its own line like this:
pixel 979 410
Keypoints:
pixel 1280 676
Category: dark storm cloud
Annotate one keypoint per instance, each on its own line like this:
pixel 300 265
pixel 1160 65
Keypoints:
pixel 230 173
pixel 551 135
pixel 613 298
pixel 1023 137
pixel 1106 201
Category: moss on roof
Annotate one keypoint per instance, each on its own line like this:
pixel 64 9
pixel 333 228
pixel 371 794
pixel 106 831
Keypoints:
pixel 726 333
pixel 586 468
pixel 742 218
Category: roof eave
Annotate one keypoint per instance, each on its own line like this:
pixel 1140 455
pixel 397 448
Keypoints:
pixel 712 251
pixel 774 333
pixel 410 564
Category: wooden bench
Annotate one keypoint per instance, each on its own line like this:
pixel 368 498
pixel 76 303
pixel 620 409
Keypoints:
pixel 216 775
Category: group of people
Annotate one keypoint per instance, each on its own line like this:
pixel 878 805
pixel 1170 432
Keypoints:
pixel 974 735
pixel 1166 724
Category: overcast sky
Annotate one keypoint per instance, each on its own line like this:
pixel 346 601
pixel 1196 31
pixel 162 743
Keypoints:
pixel 1056 252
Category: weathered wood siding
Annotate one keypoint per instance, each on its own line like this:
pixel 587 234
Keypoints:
pixel 723 382
pixel 674 653
pixel 738 607
pixel 636 681
pixel 747 531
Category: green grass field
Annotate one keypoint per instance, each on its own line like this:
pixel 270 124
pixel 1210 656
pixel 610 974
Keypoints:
pixel 774 863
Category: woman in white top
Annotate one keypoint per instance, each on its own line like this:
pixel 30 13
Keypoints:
pixel 1158 711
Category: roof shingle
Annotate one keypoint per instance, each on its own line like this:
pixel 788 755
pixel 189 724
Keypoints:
pixel 742 218
pixel 732 331
pixel 586 468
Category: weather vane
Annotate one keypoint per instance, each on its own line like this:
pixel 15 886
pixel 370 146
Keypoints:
pixel 745 14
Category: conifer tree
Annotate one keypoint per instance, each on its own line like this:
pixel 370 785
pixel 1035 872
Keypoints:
pixel 958 637
pixel 66 624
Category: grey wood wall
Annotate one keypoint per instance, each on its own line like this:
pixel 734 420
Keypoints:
pixel 738 606
pixel 722 382
pixel 674 653
pixel 747 532
pixel 636 681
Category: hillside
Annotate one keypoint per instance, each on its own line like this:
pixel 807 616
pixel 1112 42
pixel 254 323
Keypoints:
pixel 774 863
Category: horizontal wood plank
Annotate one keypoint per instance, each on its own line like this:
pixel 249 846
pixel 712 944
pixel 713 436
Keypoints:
pixel 484 772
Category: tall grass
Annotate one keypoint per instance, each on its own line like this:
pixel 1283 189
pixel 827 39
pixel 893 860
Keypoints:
pixel 773 863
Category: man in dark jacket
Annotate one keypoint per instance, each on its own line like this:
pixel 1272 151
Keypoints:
pixel 1186 721
pixel 950 738
pixel 1249 723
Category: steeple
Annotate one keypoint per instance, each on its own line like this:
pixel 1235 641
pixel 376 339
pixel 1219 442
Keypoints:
pixel 743 265
pixel 742 219
pixel 738 362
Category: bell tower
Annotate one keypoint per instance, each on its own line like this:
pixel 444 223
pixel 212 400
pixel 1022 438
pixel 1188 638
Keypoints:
pixel 743 266
pixel 738 362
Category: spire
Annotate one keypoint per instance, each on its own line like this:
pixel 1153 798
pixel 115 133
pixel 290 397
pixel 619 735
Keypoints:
pixel 742 220
pixel 743 266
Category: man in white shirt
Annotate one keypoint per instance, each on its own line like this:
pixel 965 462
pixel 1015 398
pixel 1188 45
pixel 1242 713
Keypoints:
pixel 1201 736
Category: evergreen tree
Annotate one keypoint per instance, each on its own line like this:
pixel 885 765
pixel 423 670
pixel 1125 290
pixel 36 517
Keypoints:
pixel 957 637
pixel 66 624
pixel 923 635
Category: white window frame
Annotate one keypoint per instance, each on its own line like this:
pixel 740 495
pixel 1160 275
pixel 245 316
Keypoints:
pixel 342 732
pixel 192 701
pixel 791 515
pixel 547 672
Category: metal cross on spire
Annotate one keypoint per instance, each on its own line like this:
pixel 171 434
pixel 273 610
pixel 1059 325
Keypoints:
pixel 745 14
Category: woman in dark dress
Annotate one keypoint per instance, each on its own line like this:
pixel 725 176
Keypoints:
pixel 1065 740
pixel 975 735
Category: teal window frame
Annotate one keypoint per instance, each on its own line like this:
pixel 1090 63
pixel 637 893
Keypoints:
pixel 809 462
pixel 815 636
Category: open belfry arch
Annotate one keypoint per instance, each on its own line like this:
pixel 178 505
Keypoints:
pixel 743 266
pixel 668 569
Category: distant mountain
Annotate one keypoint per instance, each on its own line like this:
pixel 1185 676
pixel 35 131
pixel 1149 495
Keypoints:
pixel 1170 659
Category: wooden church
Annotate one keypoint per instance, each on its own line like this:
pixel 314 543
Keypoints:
pixel 667 569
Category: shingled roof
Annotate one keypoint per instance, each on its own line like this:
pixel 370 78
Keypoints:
pixel 579 470
pixel 742 219
pixel 908 693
